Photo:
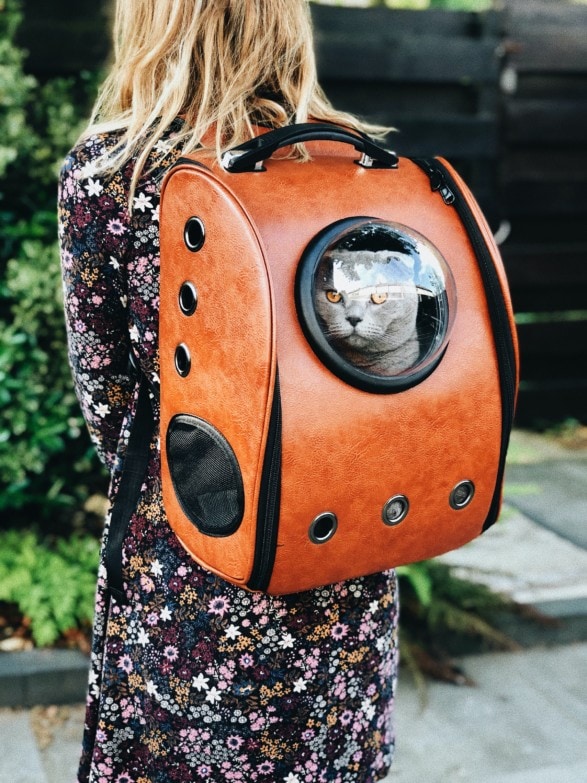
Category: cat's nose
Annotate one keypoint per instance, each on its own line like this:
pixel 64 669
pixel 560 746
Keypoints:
pixel 354 319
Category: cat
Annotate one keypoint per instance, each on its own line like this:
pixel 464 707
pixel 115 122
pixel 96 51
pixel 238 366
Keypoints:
pixel 367 305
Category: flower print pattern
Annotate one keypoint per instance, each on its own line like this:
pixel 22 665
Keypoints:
pixel 194 679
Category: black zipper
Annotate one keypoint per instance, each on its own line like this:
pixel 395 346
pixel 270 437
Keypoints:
pixel 442 181
pixel 269 500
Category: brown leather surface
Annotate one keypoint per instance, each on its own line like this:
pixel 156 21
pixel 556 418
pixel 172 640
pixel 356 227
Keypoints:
pixel 231 341
pixel 344 450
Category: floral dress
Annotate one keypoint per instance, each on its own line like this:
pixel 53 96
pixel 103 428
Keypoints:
pixel 192 678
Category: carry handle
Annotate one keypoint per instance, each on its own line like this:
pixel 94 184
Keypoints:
pixel 250 155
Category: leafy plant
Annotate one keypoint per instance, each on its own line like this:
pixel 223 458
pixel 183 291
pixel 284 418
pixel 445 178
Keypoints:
pixel 442 614
pixel 39 415
pixel 52 584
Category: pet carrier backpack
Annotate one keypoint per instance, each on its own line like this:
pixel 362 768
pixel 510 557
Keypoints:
pixel 338 360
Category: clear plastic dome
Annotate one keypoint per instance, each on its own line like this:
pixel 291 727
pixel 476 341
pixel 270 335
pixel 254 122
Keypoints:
pixel 377 302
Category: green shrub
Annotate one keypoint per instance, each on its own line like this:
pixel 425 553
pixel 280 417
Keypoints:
pixel 443 615
pixel 40 420
pixel 53 585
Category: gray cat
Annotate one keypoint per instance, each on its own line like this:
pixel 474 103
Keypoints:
pixel 367 304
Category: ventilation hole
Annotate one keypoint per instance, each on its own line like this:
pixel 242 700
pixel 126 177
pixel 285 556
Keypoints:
pixel 323 527
pixel 188 298
pixel 183 360
pixel 206 475
pixel 395 510
pixel 194 234
pixel 461 495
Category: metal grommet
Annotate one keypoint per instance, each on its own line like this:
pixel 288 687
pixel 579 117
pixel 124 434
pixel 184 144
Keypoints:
pixel 188 298
pixel 194 234
pixel 395 510
pixel 183 360
pixel 462 494
pixel 323 527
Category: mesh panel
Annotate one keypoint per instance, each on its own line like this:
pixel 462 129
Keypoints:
pixel 205 475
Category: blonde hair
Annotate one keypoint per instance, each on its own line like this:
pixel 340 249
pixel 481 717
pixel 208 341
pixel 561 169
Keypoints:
pixel 222 65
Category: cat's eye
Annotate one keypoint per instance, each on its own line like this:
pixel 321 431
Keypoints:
pixel 333 296
pixel 379 297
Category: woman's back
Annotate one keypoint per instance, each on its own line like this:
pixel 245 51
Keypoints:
pixel 195 678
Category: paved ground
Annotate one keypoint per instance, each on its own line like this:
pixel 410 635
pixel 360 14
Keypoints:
pixel 525 721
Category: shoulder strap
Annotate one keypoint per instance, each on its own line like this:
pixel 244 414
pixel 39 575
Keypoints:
pixel 129 490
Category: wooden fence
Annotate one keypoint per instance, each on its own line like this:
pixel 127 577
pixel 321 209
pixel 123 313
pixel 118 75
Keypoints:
pixel 502 94
pixel 543 188
pixel 432 75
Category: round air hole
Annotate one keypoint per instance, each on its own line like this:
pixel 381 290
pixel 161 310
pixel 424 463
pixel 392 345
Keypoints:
pixel 183 360
pixel 188 298
pixel 462 495
pixel 194 234
pixel 395 510
pixel 323 527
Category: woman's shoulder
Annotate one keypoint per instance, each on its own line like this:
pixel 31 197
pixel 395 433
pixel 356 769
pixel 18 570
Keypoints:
pixel 92 148
pixel 89 156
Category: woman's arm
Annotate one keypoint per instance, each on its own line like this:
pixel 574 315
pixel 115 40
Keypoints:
pixel 93 235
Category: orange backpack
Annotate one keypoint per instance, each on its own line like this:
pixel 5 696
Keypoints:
pixel 339 363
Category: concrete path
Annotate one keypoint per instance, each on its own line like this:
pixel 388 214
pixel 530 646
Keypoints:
pixel 524 722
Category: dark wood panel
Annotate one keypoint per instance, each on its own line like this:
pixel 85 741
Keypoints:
pixel 419 100
pixel 363 21
pixel 551 120
pixel 547 299
pixel 548 163
pixel 547 35
pixel 557 341
pixel 407 58
pixel 63 38
pixel 547 278
pixel 538 404
pixel 453 137
pixel 545 199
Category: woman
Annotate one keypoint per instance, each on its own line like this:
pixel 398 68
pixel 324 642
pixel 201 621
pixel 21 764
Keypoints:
pixel 194 679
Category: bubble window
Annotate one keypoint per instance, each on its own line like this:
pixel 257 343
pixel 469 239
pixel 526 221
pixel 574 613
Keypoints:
pixel 377 302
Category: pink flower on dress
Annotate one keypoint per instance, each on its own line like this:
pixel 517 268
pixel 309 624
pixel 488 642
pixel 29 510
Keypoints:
pixel 219 605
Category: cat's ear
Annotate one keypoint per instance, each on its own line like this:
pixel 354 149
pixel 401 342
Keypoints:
pixel 406 260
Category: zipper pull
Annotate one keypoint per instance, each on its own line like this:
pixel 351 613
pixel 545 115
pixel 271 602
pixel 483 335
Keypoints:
pixel 437 180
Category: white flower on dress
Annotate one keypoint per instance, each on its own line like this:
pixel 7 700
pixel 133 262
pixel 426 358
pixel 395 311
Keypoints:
pixel 368 708
pixel 300 685
pixel 143 637
pixel 213 695
pixel 152 689
pixel 156 568
pixel 94 187
pixel 200 682
pixel 88 170
pixel 142 202
pixel 102 410
pixel 232 632
pixel 165 614
pixel 286 641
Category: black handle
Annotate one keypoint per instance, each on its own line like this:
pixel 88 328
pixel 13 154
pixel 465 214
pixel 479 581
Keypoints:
pixel 250 155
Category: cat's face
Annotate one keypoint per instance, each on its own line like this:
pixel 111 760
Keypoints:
pixel 367 301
